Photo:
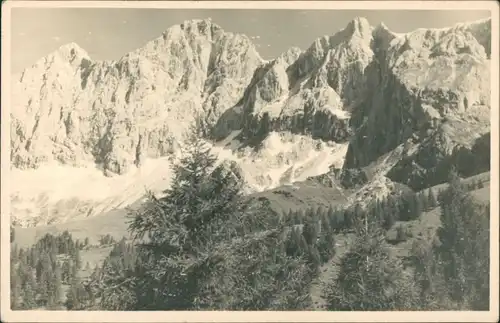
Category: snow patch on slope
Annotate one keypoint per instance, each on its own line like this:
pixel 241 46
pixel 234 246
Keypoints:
pixel 283 158
pixel 55 193
pixel 58 193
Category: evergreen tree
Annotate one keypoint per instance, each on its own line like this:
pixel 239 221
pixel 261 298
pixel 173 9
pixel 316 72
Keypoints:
pixel 326 243
pixel 55 291
pixel 297 217
pixel 15 289
pixel 464 247
pixel 314 258
pixel 389 218
pixel 74 297
pixel 310 232
pixel 66 272
pixel 28 286
pixel 44 272
pixel 427 274
pixel 74 269
pixel 303 246
pixel 293 243
pixel 203 245
pixel 14 254
pixel 370 278
pixel 347 219
pixel 78 258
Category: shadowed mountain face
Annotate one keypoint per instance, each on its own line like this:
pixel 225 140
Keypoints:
pixel 391 108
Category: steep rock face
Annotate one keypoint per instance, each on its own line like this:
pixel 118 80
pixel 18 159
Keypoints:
pixel 431 92
pixel 312 92
pixel 73 110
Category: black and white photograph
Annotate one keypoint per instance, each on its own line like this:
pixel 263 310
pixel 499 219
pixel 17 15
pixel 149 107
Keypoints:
pixel 207 161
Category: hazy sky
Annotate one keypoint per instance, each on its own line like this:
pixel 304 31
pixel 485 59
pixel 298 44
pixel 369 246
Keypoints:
pixel 108 33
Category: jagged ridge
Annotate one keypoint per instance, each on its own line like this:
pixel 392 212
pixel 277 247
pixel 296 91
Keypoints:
pixel 70 109
pixel 406 104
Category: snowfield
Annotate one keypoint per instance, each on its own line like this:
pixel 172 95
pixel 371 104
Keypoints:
pixel 55 193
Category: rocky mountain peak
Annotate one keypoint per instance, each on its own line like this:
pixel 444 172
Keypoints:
pixel 71 50
pixel 289 56
pixel 359 27
pixel 116 113
pixel 69 55
pixel 380 101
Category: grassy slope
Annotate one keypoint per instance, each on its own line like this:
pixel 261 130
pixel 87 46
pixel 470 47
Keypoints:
pixel 302 195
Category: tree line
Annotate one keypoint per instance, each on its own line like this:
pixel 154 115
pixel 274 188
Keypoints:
pixel 38 273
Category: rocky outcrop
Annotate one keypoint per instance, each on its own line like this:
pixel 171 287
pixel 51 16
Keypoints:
pixel 309 92
pixel 431 163
pixel 379 90
pixel 71 109
pixel 431 91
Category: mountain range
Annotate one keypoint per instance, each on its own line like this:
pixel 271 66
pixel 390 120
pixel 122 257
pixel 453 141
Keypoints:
pixel 361 113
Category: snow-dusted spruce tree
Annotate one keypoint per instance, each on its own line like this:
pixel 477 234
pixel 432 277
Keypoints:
pixel 203 245
pixel 370 279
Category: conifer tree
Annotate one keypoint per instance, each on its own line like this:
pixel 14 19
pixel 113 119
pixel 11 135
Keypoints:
pixel 78 258
pixel 347 219
pixel 74 269
pixel 314 258
pixel 44 274
pixel 464 247
pixel 29 287
pixel 294 246
pixel 370 278
pixel 310 232
pixel 75 295
pixel 15 290
pixel 326 243
pixel 428 276
pixel 66 272
pixel 203 245
pixel 29 293
pixel 55 291
pixel 14 254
